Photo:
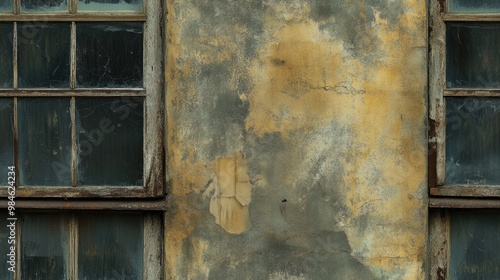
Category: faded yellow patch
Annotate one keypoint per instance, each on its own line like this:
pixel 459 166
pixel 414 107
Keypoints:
pixel 391 118
pixel 302 80
pixel 233 191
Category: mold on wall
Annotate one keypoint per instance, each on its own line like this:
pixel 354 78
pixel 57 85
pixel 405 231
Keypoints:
pixel 296 139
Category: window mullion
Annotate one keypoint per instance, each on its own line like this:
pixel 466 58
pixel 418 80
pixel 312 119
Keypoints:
pixel 74 178
pixel 73 247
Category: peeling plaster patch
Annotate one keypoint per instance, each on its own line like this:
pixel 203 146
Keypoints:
pixel 233 191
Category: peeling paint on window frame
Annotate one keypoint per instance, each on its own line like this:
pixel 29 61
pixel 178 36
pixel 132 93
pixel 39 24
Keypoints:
pixel 152 92
pixel 444 198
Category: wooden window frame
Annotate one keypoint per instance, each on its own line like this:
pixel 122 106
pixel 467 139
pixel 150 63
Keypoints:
pixel 152 92
pixel 445 198
pixel 438 92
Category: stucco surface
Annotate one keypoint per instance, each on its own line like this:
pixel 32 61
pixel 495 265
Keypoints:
pixel 296 139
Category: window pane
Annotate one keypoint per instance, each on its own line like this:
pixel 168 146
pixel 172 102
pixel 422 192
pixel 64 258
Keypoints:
pixel 110 141
pixel 6 138
pixel 5 248
pixel 473 55
pixel 5 5
pixel 110 246
pixel 109 55
pixel 110 5
pixel 44 141
pixel 43 5
pixel 44 246
pixel 6 31
pixel 472 141
pixel 478 6
pixel 43 56
pixel 475 245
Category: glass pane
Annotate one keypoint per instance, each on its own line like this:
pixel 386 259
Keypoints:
pixel 5 267
pixel 110 5
pixel 43 5
pixel 475 245
pixel 473 55
pixel 6 138
pixel 109 55
pixel 472 141
pixel 44 141
pixel 475 6
pixel 6 31
pixel 110 246
pixel 44 246
pixel 110 137
pixel 43 56
pixel 5 5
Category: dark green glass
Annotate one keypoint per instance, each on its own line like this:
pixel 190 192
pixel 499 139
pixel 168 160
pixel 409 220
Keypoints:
pixel 40 6
pixel 474 6
pixel 110 246
pixel 475 245
pixel 6 138
pixel 109 55
pixel 6 66
pixel 472 55
pixel 110 141
pixel 44 141
pixel 473 141
pixel 45 246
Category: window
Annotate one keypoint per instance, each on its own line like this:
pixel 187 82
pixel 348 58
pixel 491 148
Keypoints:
pixel 81 125
pixel 464 139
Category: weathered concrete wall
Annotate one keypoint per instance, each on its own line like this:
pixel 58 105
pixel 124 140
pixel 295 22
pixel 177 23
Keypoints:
pixel 296 139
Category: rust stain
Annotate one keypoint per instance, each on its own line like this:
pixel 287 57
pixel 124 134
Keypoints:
pixel 232 195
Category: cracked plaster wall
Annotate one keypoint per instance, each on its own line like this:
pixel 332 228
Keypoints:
pixel 296 139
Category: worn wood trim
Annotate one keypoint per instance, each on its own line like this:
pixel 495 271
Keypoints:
pixel 439 225
pixel 78 192
pixel 154 159
pixel 437 40
pixel 466 191
pixel 464 203
pixel 472 93
pixel 71 92
pixel 114 205
pixel 153 261
pixel 471 17
pixel 79 17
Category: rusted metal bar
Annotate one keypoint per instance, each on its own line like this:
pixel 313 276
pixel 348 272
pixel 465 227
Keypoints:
pixel 471 17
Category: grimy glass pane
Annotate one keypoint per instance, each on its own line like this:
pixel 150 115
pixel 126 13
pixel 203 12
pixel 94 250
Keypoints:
pixel 110 141
pixel 110 5
pixel 474 6
pixel 110 246
pixel 43 55
pixel 6 138
pixel 475 245
pixel 44 141
pixel 472 141
pixel 473 55
pixel 6 5
pixel 109 55
pixel 44 246
pixel 6 270
pixel 43 5
pixel 6 70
